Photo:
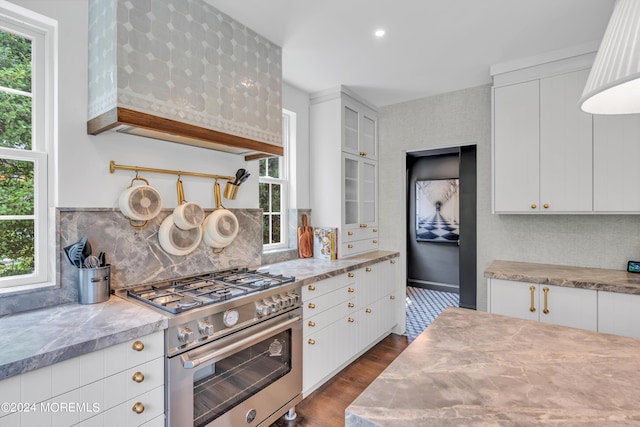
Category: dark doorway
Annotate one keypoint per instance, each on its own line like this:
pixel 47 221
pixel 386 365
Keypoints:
pixel 444 266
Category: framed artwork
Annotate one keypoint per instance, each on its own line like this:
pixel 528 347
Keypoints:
pixel 437 210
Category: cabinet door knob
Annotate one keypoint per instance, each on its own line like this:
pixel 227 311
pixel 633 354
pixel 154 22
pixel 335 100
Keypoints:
pixel 393 261
pixel 368 310
pixel 392 297
pixel 311 288
pixel 312 323
pixel 363 225
pixel 350 246
pixel 363 153
pixel 137 346
pixel 533 206
pixel 311 341
pixel 533 299
pixel 351 275
pixel 311 305
pixel 350 320
pixel 349 233
pixel 138 408
pixel 546 206
pixel 374 241
pixel 350 305
pixel 368 269
pixel 375 230
pixel 138 377
pixel 350 290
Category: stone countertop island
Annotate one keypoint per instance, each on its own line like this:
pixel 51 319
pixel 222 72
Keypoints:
pixel 476 368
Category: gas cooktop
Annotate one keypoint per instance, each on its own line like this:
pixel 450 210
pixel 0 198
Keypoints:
pixel 192 292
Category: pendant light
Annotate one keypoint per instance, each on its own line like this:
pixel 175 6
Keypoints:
pixel 613 86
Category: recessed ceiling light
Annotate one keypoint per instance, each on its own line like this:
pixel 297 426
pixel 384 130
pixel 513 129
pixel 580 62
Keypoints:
pixel 379 33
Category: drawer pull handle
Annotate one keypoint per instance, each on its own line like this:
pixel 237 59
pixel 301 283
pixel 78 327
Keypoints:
pixel 375 230
pixel 393 261
pixel 368 310
pixel 533 298
pixel 311 341
pixel 312 323
pixel 351 275
pixel 311 288
pixel 137 346
pixel 546 206
pixel 312 305
pixel 350 233
pixel 138 377
pixel 350 305
pixel 368 269
pixel 350 320
pixel 533 206
pixel 363 153
pixel 363 225
pixel 138 408
pixel 374 241
pixel 546 302
pixel 392 297
pixel 351 290
pixel 350 246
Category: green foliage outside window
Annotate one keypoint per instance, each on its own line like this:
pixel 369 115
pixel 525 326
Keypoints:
pixel 16 176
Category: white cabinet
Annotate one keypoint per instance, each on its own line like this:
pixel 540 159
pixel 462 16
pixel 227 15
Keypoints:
pixel 616 150
pixel 102 388
pixel 619 314
pixel 559 305
pixel 343 317
pixel 542 150
pixel 343 130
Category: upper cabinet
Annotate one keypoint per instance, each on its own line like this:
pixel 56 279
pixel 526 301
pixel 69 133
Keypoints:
pixel 548 155
pixel 344 168
pixel 183 71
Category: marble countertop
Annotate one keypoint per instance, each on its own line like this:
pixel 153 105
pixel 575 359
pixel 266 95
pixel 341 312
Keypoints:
pixel 37 338
pixel 476 368
pixel 561 275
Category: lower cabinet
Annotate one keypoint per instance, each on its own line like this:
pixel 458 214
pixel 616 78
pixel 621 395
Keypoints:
pixel 343 317
pixel 559 305
pixel 121 385
pixel 619 314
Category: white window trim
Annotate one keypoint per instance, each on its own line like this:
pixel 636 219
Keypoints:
pixel 288 121
pixel 43 32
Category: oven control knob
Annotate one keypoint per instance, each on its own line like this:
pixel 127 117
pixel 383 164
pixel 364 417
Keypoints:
pixel 295 298
pixel 262 309
pixel 205 328
pixel 273 306
pixel 185 335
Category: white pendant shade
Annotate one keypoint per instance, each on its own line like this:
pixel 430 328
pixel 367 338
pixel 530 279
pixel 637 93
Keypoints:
pixel 613 86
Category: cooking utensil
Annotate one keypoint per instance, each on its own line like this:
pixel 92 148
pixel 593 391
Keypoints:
pixel 86 250
pixel 187 215
pixel 74 252
pixel 177 241
pixel 102 259
pixel 239 174
pixel 221 226
pixel 244 178
pixel 140 202
pixel 91 261
pixel 305 239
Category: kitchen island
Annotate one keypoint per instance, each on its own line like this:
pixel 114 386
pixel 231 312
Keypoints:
pixel 476 368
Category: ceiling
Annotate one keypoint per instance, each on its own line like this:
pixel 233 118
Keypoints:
pixel 430 46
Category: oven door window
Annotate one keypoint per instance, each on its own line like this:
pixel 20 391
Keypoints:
pixel 221 386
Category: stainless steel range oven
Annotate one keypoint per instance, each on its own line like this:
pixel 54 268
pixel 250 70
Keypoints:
pixel 233 348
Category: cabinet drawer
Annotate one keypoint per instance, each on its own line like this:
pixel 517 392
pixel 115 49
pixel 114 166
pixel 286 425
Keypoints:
pixel 322 287
pixel 122 386
pixel 356 247
pixel 313 324
pixel 319 304
pixel 123 415
pixel 354 234
pixel 134 352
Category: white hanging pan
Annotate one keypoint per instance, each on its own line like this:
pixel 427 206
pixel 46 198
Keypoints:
pixel 140 202
pixel 187 215
pixel 176 241
pixel 221 226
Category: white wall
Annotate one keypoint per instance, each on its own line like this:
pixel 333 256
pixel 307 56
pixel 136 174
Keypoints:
pixel 297 101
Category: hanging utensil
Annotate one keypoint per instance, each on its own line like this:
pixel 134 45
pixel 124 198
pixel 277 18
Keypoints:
pixel 221 226
pixel 140 202
pixel 187 215
pixel 239 174
pixel 91 261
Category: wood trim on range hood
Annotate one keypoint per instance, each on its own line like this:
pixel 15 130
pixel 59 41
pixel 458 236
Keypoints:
pixel 143 124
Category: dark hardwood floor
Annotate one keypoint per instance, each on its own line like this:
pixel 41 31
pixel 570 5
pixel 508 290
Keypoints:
pixel 325 406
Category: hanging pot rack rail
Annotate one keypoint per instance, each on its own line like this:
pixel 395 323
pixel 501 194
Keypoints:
pixel 113 167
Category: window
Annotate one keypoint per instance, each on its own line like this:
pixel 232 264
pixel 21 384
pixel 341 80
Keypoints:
pixel 26 100
pixel 274 186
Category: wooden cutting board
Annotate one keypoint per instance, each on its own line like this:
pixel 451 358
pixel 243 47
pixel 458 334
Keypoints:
pixel 305 239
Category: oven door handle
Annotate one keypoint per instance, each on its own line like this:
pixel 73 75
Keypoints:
pixel 189 363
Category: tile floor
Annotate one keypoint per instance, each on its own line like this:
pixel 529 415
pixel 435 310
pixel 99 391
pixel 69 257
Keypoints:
pixel 423 306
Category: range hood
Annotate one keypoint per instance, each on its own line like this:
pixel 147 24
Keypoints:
pixel 183 71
